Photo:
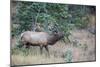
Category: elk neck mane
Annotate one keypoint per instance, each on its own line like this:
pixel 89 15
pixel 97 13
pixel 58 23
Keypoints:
pixel 52 39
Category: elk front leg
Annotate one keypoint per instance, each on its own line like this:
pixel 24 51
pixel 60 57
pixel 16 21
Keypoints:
pixel 41 48
pixel 46 47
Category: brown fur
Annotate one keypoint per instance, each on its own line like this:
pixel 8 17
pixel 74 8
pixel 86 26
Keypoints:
pixel 41 39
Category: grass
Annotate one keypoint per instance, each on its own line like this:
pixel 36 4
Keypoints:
pixel 33 56
pixel 81 49
pixel 24 60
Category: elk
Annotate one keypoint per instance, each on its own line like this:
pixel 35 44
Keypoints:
pixel 41 39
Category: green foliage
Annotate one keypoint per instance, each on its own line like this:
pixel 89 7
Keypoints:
pixel 51 17
pixel 80 23
pixel 68 56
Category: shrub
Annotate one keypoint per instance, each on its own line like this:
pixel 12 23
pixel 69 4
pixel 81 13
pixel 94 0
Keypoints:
pixel 68 56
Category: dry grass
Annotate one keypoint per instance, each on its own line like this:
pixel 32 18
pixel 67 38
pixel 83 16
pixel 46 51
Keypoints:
pixel 24 60
pixel 81 48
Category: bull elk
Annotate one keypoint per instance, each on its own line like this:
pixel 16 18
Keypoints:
pixel 41 39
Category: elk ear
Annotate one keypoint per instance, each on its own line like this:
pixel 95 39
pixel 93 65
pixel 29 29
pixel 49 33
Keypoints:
pixel 55 31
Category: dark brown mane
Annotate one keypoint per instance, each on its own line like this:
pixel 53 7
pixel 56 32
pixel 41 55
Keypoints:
pixel 54 38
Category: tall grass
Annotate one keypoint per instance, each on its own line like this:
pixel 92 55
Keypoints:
pixel 82 48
